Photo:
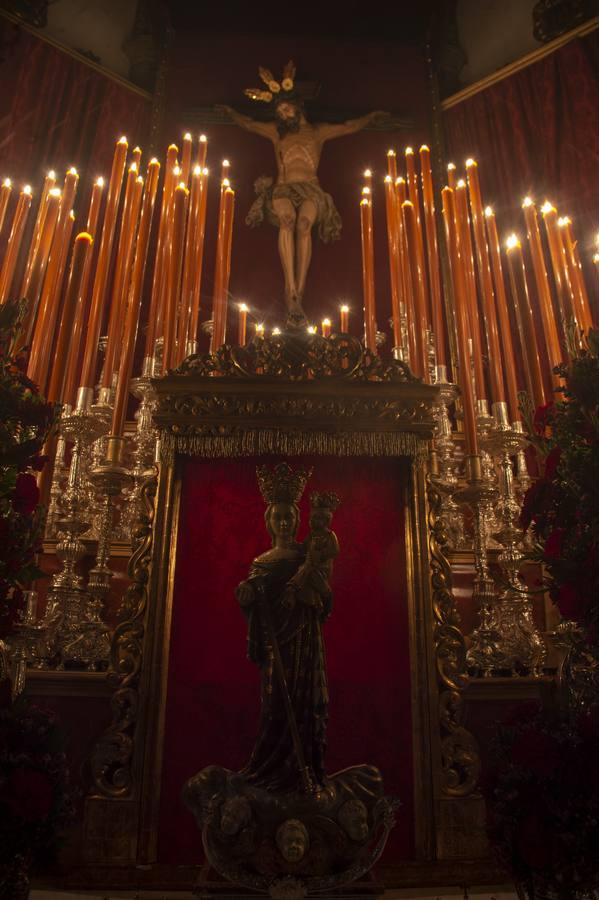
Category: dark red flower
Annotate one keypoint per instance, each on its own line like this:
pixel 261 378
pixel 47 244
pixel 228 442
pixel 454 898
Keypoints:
pixel 552 462
pixel 29 794
pixel 554 544
pixel 543 416
pixel 536 501
pixel 26 494
pixel 536 751
pixel 572 605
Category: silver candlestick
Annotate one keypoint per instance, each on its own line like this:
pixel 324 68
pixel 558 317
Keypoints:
pixel 444 468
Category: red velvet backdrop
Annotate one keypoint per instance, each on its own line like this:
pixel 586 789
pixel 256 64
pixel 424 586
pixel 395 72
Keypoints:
pixel 356 76
pixel 537 132
pixel 213 690
pixel 57 112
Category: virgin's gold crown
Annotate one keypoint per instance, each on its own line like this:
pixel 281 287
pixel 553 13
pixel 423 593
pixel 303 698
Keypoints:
pixel 282 484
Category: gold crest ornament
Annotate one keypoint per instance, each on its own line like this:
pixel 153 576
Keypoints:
pixel 282 484
pixel 281 89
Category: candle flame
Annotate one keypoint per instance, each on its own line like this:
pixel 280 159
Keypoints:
pixel 451 167
pixel 311 329
pixel 596 258
pixel 512 242
pixel 388 179
pixel 426 148
pixel 326 323
pixel 470 162
pixel 100 182
pixel 205 171
pixel 154 162
pixel 243 307
pixel 177 171
pixel 528 201
pixel 461 183
pixel 276 330
pixel 55 192
pixel 365 202
pixel 172 147
pixel 367 173
pixel 187 136
pixel 122 140
pixel 547 207
pixel 27 189
pixel 226 183
pixel 181 186
pixel 139 179
pixel 344 308
pixel 72 171
pixel 72 215
pixel 7 183
pixel 197 170
pixel 366 190
pixel 400 180
pixel 133 167
pixel 407 203
pixel 51 174
pixel 563 221
pixel 391 153
pixel 488 211
pixel 226 163
pixel 203 138
pixel 408 151
pixel 260 328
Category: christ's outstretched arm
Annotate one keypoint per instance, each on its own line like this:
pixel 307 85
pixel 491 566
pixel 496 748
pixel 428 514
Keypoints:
pixel 265 129
pixel 327 131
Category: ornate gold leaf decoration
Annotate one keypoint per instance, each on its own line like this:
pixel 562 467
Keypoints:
pixel 459 751
pixel 111 761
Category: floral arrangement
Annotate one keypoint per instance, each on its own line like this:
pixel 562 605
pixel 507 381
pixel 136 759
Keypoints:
pixel 36 800
pixel 25 422
pixel 542 792
pixel 563 504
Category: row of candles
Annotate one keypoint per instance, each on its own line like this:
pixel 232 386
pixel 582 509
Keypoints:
pixel 479 316
pixel 75 287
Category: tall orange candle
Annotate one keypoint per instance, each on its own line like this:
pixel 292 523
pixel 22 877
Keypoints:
pixel 219 314
pixel 466 261
pixel 462 325
pixel 428 199
pixel 199 257
pixel 133 307
pixel 189 263
pixel 421 324
pixel 154 329
pixel 406 275
pixel 122 272
pixel 49 183
pixel 242 324
pixel 579 292
pixel 136 157
pixel 505 328
pixel 33 279
pixel 90 354
pixel 392 164
pixel 451 175
pixel 486 282
pixel 325 327
pixel 368 274
pixel 174 272
pixel 414 197
pixel 554 352
pixel 344 318
pixel 394 264
pixel 14 243
pixel 524 317
pixel 202 151
pixel 64 344
pixel 558 264
pixel 186 158
pixel 5 192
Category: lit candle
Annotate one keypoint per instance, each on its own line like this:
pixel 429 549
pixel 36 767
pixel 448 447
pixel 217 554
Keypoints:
pixel 311 329
pixel 558 263
pixel 466 259
pixel 219 309
pixel 189 264
pixel 136 157
pixel 122 272
pixel 414 197
pixel 199 256
pixel 462 327
pixel 428 200
pixel 202 151
pixel 224 171
pixel 392 164
pixel 242 324
pixel 509 359
pixel 579 293
pixel 368 274
pixel 486 283
pixel 326 328
pixel 14 243
pixel 5 192
pixel 186 159
pixel 49 183
pixel 524 318
pixel 404 265
pixel 554 352
pixel 174 270
pixel 344 318
pixel 134 299
pixel 154 323
pixel 90 353
pixel 259 330
pixel 64 343
pixel 451 176
pixel 32 282
pixel 420 366
pixel 276 331
pixel 394 264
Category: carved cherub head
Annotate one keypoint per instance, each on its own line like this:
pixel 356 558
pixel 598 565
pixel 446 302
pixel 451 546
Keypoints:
pixel 292 840
pixel 235 814
pixel 353 818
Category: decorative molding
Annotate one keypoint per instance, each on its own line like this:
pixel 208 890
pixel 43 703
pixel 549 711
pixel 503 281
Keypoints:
pixel 511 69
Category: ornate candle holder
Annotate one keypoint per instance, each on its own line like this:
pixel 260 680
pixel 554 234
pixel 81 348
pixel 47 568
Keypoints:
pixel 444 466
pixel 519 645
pixel 66 612
pixel 28 643
pixel 478 495
pixel 485 424
pixel 59 474
pixel 144 453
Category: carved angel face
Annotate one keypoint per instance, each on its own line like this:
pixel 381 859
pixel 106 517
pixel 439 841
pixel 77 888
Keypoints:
pixel 292 840
pixel 353 818
pixel 235 814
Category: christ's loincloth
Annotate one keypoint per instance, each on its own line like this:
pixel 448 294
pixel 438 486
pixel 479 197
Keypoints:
pixel 328 219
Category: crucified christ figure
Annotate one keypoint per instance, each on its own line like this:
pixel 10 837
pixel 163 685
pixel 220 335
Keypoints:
pixel 296 202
